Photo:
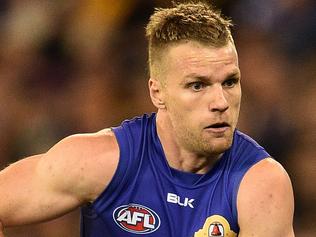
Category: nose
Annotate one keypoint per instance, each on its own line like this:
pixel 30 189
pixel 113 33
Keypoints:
pixel 218 102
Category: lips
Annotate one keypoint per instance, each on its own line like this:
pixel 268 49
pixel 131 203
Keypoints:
pixel 218 125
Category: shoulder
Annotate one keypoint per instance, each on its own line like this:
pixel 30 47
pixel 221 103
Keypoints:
pixel 245 141
pixel 246 152
pixel 265 200
pixel 82 164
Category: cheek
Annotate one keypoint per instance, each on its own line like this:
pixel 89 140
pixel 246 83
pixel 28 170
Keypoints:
pixel 176 109
pixel 184 110
pixel 235 98
pixel 235 105
pixel 180 111
pixel 177 101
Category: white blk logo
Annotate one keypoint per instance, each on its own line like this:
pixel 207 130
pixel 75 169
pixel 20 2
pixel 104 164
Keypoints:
pixel 174 198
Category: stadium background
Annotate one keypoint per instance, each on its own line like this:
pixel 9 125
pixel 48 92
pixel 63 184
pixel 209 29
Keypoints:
pixel 79 66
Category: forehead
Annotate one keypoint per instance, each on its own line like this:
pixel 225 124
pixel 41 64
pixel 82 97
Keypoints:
pixel 196 58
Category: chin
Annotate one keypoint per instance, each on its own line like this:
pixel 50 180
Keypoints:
pixel 219 147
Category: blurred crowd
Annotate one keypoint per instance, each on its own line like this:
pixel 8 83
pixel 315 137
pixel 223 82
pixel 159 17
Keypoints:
pixel 80 65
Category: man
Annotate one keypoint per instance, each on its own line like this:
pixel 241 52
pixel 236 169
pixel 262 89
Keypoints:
pixel 183 171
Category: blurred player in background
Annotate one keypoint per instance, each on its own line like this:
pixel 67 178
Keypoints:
pixel 182 171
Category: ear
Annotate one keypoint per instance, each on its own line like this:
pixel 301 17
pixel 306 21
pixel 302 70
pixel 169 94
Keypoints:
pixel 156 93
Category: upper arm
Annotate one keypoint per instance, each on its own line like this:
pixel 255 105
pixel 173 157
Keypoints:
pixel 74 171
pixel 81 165
pixel 265 201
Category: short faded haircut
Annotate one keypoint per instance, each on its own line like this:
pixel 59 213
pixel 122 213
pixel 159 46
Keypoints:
pixel 198 21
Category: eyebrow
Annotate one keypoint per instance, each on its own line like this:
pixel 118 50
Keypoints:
pixel 234 74
pixel 198 77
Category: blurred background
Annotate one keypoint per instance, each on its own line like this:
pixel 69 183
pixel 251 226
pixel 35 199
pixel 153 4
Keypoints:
pixel 80 66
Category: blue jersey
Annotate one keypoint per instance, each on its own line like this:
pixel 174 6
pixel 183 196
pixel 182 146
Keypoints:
pixel 147 197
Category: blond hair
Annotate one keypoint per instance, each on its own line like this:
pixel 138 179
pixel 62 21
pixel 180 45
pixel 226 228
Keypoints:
pixel 187 21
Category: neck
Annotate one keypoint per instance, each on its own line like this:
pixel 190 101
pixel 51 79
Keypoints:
pixel 178 157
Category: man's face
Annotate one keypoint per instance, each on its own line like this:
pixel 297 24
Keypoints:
pixel 201 91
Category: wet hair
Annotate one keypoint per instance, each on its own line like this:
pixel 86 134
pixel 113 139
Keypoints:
pixel 197 21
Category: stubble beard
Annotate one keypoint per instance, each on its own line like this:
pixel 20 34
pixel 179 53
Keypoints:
pixel 204 145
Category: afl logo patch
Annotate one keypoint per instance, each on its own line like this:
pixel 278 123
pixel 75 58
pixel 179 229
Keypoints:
pixel 136 219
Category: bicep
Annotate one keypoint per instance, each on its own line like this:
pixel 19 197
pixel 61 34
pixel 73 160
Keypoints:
pixel 81 166
pixel 25 196
pixel 74 171
pixel 265 201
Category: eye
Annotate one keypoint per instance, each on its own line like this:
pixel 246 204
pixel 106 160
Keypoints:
pixel 196 86
pixel 230 82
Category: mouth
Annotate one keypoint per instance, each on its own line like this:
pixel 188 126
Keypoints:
pixel 218 127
